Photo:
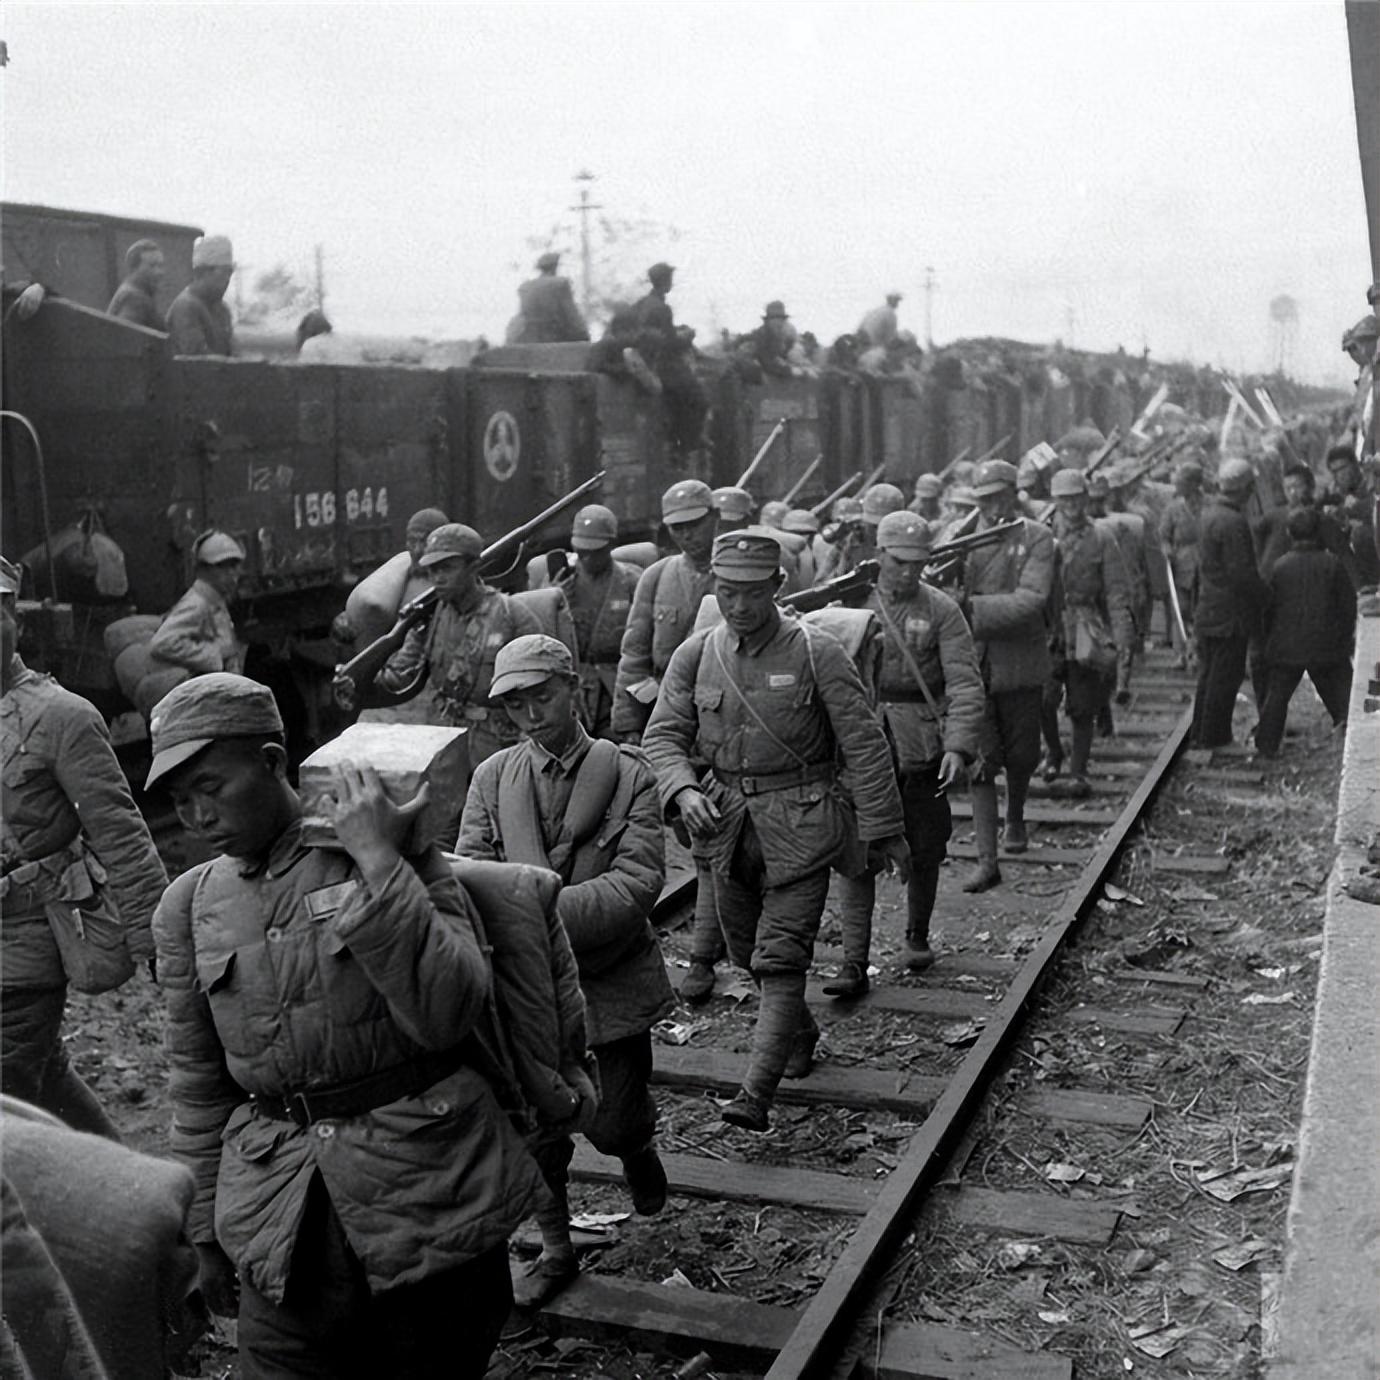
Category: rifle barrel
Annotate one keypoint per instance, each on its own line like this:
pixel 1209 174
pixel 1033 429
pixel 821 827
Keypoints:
pixel 804 478
pixel 761 454
pixel 992 450
pixel 823 505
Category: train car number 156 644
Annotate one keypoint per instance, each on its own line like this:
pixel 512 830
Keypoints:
pixel 319 509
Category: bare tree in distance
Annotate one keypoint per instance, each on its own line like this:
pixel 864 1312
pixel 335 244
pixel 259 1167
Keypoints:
pixel 277 297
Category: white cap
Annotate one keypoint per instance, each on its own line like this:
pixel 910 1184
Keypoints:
pixel 213 251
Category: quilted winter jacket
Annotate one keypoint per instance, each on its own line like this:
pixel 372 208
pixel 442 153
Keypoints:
pixel 1008 591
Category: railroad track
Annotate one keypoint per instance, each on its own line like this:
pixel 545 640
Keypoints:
pixel 1049 891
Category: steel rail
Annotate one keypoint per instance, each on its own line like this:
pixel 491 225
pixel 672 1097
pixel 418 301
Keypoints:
pixel 829 1318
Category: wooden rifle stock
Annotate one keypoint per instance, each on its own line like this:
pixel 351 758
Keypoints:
pixel 498 558
pixel 1108 447
pixel 992 450
pixel 851 588
pixel 947 556
pixel 825 504
pixel 953 464
pixel 804 478
pixel 761 454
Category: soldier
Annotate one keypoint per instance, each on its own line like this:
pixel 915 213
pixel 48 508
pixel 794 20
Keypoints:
pixel 773 708
pixel 1097 623
pixel 928 491
pixel 198 321
pixel 1129 494
pixel 546 304
pixel 134 298
pixel 859 541
pixel 600 593
pixel 771 342
pixel 932 705
pixel 803 525
pixel 1179 536
pixel 352 1163
pixel 456 649
pixel 198 632
pixel 1353 500
pixel 844 517
pixel 734 506
pixel 1130 542
pixel 590 812
pixel 1231 599
pixel 669 352
pixel 1005 593
pixel 78 867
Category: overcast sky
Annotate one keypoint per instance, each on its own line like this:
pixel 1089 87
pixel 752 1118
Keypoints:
pixel 1112 173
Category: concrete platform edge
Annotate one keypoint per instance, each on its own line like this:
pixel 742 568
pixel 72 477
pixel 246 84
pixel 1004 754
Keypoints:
pixel 1329 1313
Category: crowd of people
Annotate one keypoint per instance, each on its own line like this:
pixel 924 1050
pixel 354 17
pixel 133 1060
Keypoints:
pixel 358 1157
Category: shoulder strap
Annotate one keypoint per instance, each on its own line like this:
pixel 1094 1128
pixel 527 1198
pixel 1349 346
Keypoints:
pixel 715 638
pixel 595 784
pixel 899 637
pixel 518 822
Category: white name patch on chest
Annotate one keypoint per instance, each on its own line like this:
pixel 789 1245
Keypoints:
pixel 780 681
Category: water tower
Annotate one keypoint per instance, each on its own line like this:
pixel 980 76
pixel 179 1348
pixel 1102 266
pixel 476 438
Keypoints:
pixel 1284 333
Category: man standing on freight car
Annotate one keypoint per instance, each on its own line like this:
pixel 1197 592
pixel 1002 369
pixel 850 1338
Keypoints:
pixel 669 351
pixel 197 633
pixel 932 704
pixel 600 593
pixel 70 827
pixel 199 321
pixel 546 304
pixel 589 811
pixel 773 708
pixel 356 1179
pixel 134 298
pixel 1231 602
pixel 455 650
pixel 1005 594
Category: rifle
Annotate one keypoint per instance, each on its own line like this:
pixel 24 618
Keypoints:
pixel 1108 447
pixel 851 588
pixel 824 504
pixel 992 450
pixel 804 478
pixel 953 464
pixel 761 455
pixel 948 555
pixel 875 476
pixel 354 681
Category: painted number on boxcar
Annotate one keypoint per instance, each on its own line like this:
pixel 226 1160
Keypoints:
pixel 318 509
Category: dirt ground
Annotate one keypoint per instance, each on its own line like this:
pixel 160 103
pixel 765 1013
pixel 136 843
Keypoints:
pixel 1227 1092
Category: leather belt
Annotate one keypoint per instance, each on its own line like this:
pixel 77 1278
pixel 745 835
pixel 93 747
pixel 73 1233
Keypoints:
pixel 361 1095
pixel 757 783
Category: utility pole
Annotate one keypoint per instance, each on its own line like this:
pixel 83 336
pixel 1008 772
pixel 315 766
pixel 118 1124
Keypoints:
pixel 320 279
pixel 583 211
pixel 929 308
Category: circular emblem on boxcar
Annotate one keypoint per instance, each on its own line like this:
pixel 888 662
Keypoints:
pixel 502 445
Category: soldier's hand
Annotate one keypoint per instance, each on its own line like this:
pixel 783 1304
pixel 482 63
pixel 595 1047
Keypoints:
pixel 951 769
pixel 217 1280
pixel 344 691
pixel 699 812
pixel 892 855
pixel 371 827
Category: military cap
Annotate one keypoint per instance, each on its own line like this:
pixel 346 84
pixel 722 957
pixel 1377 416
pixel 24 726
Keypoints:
pixel 961 496
pixel 686 501
pixel 449 541
pixel 800 520
pixel 1190 470
pixel 929 486
pixel 904 536
pixel 1373 293
pixel 774 513
pixel 746 556
pixel 1067 483
pixel 894 296
pixel 527 661
pixel 550 259
pixel 1234 476
pixel 215 548
pixel 733 504
pixel 213 251
pixel 660 271
pixel 594 528
pixel 776 311
pixel 1367 328
pixel 880 500
pixel 11 577
pixel 992 477
pixel 1097 484
pixel 846 509
pixel 425 521
pixel 195 714
pixel 1117 476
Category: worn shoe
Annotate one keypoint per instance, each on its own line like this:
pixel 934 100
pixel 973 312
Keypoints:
pixel 852 981
pixel 1053 766
pixel 646 1180
pixel 747 1112
pixel 697 986
pixel 919 955
pixel 983 877
pixel 543 1278
pixel 802 1058
pixel 1015 840
pixel 1079 788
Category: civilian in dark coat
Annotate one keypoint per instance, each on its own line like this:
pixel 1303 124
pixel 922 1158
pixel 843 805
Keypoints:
pixel 1308 627
pixel 1231 597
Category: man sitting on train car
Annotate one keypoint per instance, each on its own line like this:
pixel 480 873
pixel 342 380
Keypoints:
pixel 134 298
pixel 879 326
pixel 547 307
pixel 198 632
pixel 198 320
pixel 771 342
pixel 669 351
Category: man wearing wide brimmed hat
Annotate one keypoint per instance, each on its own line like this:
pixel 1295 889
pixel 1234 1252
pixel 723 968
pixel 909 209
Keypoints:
pixel 197 633
pixel 356 1179
pixel 773 707
pixel 771 342
pixel 1006 590
pixel 79 876
pixel 589 811
pixel 546 304
pixel 199 321
pixel 932 703
pixel 600 593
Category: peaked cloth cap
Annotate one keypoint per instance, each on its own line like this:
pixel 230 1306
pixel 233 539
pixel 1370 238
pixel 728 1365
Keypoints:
pixel 215 548
pixel 527 661
pixel 687 501
pixel 906 536
pixel 549 260
pixel 213 251
pixel 928 486
pixel 747 556
pixel 733 503
pixel 195 714
pixel 594 528
pixel 448 541
pixel 800 520
pixel 1067 483
pixel 880 500
pixel 993 476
